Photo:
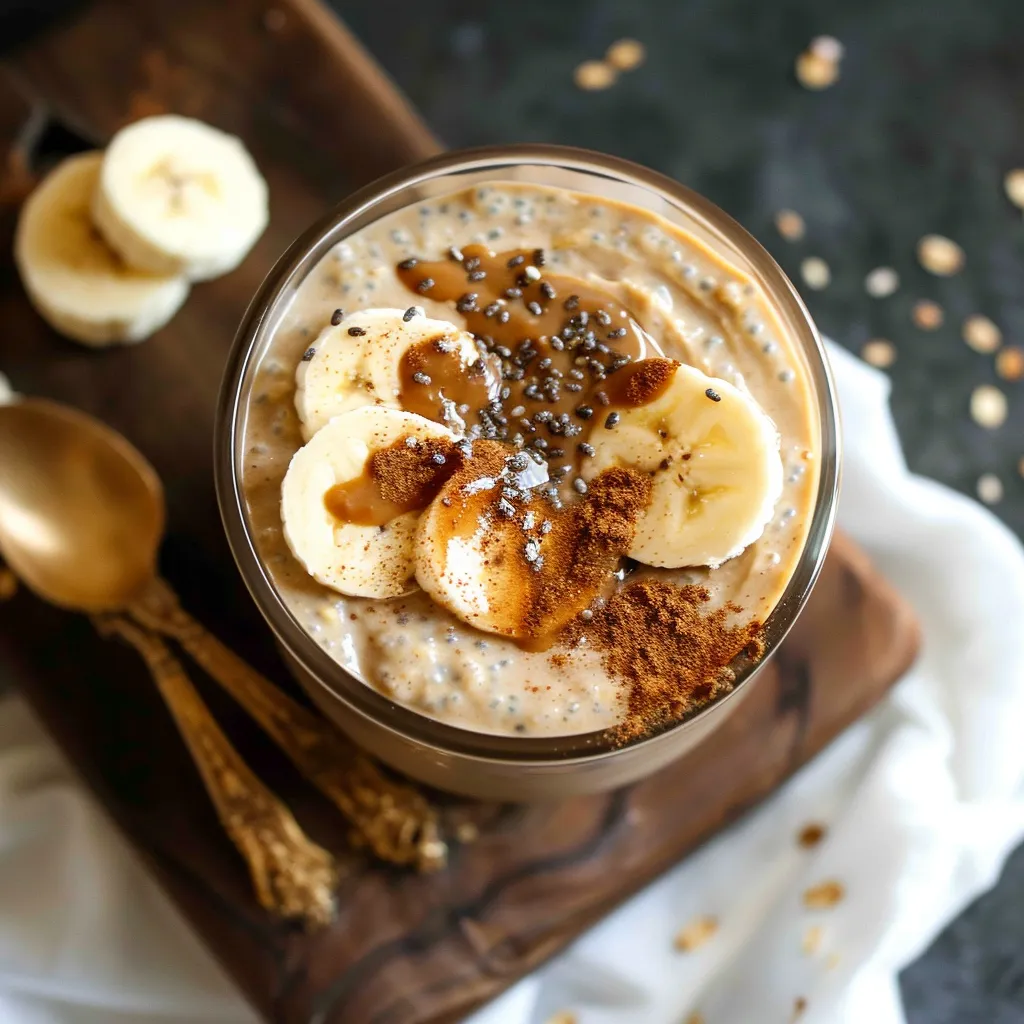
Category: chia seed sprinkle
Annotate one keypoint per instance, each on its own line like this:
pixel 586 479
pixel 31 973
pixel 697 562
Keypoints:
pixel 356 332
pixel 571 303
pixel 513 293
pixel 408 264
pixel 477 275
pixel 455 253
pixel 308 354
pixel 504 316
pixel 579 485
pixel 412 442
pixel 411 312
pixel 612 420
pixel 602 398
pixel 713 395
pixel 337 316
pixel 425 285
pixel 535 308
pixel 619 332
pixel 586 449
pixel 421 378
pixel 438 459
pixel 516 261
pixel 547 290
pixel 538 258
pixel 603 318
pixel 472 263
pixel 586 615
pixel 584 411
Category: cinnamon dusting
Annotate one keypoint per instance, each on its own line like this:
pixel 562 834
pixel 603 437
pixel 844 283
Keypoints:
pixel 672 654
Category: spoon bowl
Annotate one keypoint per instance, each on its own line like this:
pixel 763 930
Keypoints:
pixel 81 510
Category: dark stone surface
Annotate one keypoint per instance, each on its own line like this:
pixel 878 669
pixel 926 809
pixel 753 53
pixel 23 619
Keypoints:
pixel 915 138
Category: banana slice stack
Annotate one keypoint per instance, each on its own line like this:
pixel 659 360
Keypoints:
pixel 109 243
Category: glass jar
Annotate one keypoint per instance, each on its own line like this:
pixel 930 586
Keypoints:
pixel 442 755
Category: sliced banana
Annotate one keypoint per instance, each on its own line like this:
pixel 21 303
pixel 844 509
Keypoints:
pixel 358 362
pixel 78 284
pixel 352 558
pixel 177 196
pixel 716 470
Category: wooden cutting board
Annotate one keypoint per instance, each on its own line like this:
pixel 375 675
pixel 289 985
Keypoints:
pixel 321 119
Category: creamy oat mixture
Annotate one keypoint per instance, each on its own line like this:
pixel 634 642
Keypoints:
pixel 693 308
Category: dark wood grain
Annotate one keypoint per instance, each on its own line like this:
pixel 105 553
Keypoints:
pixel 406 949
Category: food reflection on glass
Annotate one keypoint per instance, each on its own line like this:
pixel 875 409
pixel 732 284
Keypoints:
pixel 532 462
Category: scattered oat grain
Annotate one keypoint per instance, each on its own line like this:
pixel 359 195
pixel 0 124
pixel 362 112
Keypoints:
pixel 824 895
pixel 594 74
pixel 879 352
pixel 990 489
pixel 799 1005
pixel 696 933
pixel 815 272
pixel 1014 185
pixel 881 282
pixel 626 54
pixel 988 406
pixel 927 315
pixel 562 1017
pixel 790 225
pixel 811 835
pixel 940 255
pixel 328 613
pixel 981 334
pixel 815 72
pixel 811 940
pixel 1010 363
pixel 8 584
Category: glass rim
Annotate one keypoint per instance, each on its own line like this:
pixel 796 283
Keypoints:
pixel 361 697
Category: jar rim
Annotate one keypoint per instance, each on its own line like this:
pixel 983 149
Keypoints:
pixel 398 190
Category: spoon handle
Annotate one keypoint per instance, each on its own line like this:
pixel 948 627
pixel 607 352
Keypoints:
pixel 293 876
pixel 394 819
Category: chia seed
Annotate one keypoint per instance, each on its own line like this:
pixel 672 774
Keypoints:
pixel 547 290
pixel 425 285
pixel 455 253
pixel 612 420
pixel 516 261
pixel 421 378
pixel 579 485
pixel 573 302
pixel 408 264
pixel 438 459
pixel 411 312
pixel 308 354
pixel 538 258
pixel 603 318
pixel 477 275
pixel 713 395
pixel 412 442
pixel 619 332
pixel 587 616
pixel 602 398
pixel 467 303
pixel 337 316
pixel 535 308
pixel 586 449
pixel 356 332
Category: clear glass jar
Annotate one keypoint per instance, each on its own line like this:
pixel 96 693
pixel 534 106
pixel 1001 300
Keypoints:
pixel 452 758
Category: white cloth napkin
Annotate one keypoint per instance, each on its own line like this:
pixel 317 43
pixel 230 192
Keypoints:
pixel 922 801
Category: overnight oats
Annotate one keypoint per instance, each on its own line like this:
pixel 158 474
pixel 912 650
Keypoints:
pixel 531 462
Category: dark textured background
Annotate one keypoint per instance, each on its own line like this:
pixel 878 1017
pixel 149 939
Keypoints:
pixel 926 118
pixel 915 137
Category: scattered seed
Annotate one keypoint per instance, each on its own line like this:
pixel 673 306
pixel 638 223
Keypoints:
pixel 940 255
pixel 587 615
pixel 827 48
pixel 699 931
pixel 356 332
pixel 990 489
pixel 815 272
pixel 337 316
pixel 815 72
pixel 879 352
pixel 988 406
pixel 421 378
pixel 411 312
pixel 612 420
pixel 579 485
pixel 586 449
pixel 824 895
pixel 1014 185
pixel 811 835
pixel 811 940
pixel 592 75
pixel 1010 363
pixel 626 54
pixel 713 395
pixel 881 282
pixel 308 354
pixel 426 284
pixel 927 315
pixel 790 225
pixel 981 334
pixel 408 264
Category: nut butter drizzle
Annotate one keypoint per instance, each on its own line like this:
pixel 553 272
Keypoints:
pixel 559 345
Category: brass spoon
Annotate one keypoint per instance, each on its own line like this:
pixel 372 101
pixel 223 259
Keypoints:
pixel 81 518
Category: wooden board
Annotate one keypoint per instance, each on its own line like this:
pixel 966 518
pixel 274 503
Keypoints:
pixel 322 119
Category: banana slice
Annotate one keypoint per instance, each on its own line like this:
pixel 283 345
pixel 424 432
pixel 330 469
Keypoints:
pixel 713 456
pixel 177 196
pixel 382 357
pixel 78 284
pixel 350 514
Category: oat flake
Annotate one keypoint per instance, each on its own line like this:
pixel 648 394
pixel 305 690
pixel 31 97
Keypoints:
pixel 594 74
pixel 990 488
pixel 824 895
pixel 981 334
pixel 626 54
pixel 815 272
pixel 879 352
pixel 790 225
pixel 1010 363
pixel 988 406
pixel 927 315
pixel 940 255
pixel 699 931
pixel 881 282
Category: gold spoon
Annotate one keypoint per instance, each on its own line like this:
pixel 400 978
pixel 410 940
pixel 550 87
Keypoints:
pixel 81 518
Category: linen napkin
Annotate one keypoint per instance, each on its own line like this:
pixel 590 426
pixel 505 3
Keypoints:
pixel 917 805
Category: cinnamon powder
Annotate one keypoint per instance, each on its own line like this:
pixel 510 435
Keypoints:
pixel 671 653
pixel 412 475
